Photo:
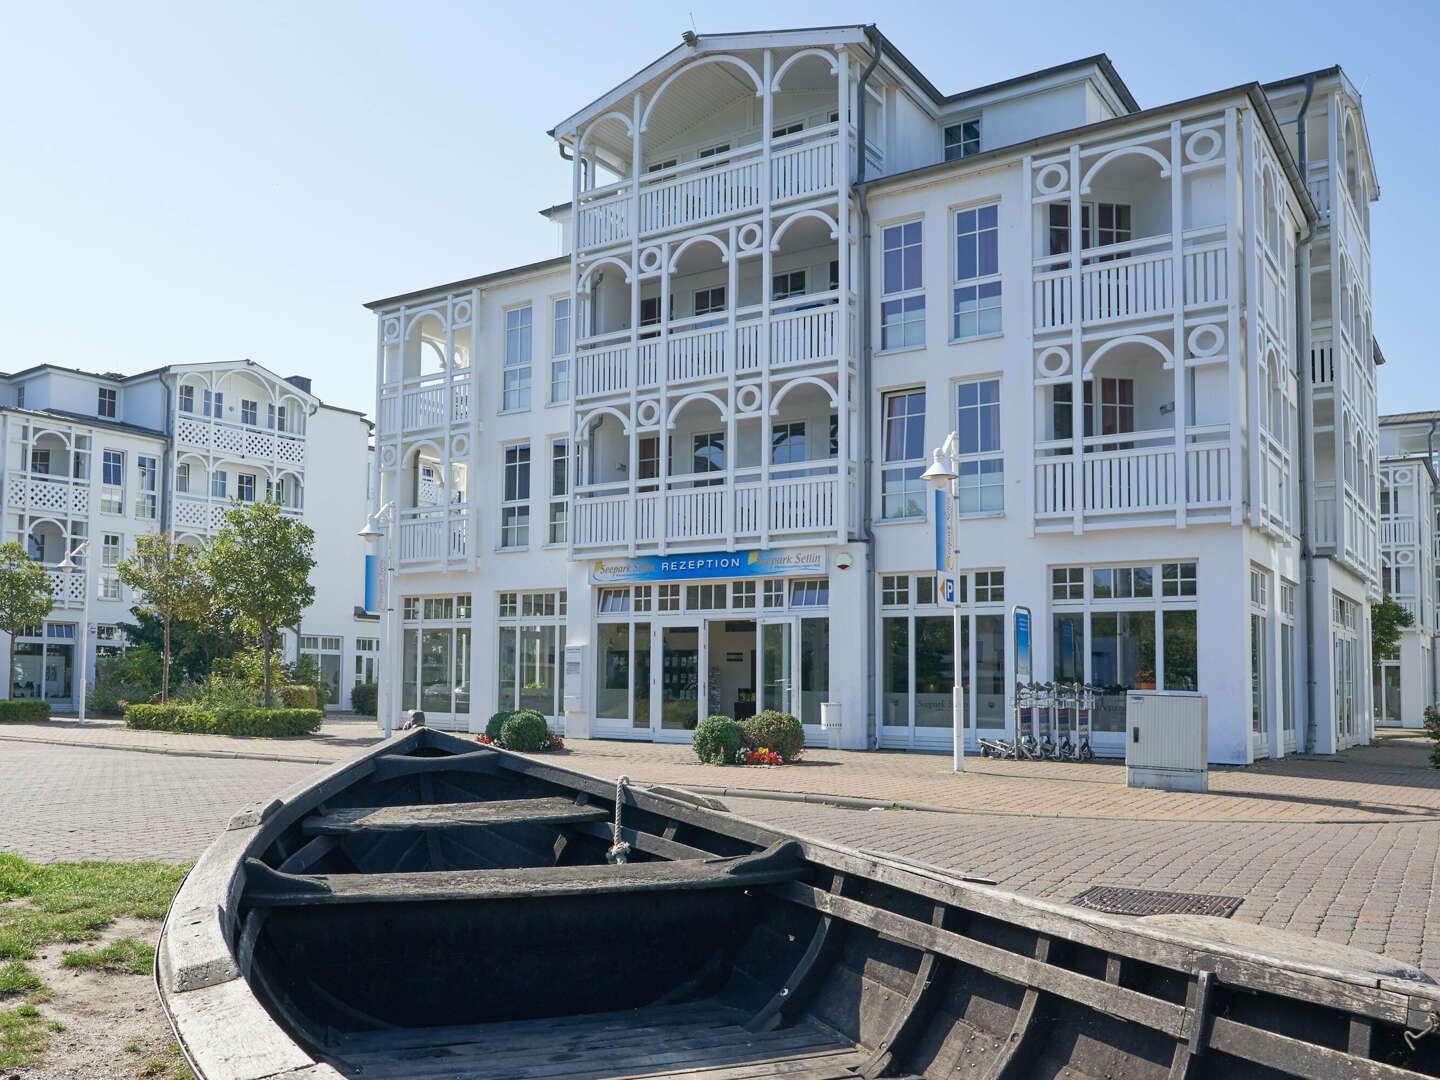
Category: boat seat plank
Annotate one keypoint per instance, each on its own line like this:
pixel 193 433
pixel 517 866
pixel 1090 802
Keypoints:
pixel 455 815
pixel 265 887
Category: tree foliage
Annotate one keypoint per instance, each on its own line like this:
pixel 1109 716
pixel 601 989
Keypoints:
pixel 260 564
pixel 25 597
pixel 1387 619
pixel 173 585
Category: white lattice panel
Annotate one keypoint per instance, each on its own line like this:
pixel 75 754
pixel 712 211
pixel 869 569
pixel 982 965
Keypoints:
pixel 190 513
pixel 290 450
pixel 229 439
pixel 258 443
pixel 192 432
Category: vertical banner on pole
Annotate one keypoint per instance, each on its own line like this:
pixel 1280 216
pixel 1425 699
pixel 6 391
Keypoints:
pixel 945 546
pixel 1021 618
pixel 372 584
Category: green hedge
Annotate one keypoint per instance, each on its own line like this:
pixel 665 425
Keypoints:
pixel 364 698
pixel 272 723
pixel 524 731
pixel 298 696
pixel 716 739
pixel 24 712
pixel 776 731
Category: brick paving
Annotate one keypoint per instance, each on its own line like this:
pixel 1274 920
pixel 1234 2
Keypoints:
pixel 1346 848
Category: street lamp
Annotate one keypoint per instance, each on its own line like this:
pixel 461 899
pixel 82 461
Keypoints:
pixel 68 566
pixel 944 470
pixel 371 532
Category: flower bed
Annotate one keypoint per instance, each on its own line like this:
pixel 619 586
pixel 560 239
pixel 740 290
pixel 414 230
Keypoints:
pixel 772 738
pixel 524 731
pixel 1432 728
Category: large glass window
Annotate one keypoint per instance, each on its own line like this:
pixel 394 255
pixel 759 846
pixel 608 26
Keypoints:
pixel 977 292
pixel 518 331
pixel 559 487
pixel 1182 650
pixel 895 652
pixel 934 671
pixel 902 311
pixel 902 491
pixel 112 476
pixel 1122 657
pixel 147 501
pixel 990 674
pixel 560 351
pixel 515 496
pixel 981 484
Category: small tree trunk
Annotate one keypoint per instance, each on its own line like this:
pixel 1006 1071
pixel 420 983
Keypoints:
pixel 265 644
pixel 10 670
pixel 165 666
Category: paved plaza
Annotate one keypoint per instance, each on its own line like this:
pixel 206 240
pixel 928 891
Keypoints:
pixel 1346 848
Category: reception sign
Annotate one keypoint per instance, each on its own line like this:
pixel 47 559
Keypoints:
pixel 785 562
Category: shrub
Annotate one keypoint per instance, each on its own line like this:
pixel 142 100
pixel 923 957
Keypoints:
pixel 365 698
pixel 222 690
pixel 298 696
pixel 496 723
pixel 716 739
pixel 776 731
pixel 525 731
pixel 1432 728
pixel 24 712
pixel 132 676
pixel 195 720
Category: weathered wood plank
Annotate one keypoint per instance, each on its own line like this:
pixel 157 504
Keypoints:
pixel 1197 1012
pixel 796 986
pixel 393 766
pixel 650 843
pixel 909 1015
pixel 467 815
pixel 1019 1045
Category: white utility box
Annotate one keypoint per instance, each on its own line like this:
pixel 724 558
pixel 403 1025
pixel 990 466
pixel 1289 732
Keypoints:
pixel 1166 741
pixel 831 722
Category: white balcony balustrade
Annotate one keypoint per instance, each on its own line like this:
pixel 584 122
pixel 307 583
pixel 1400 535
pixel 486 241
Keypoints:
pixel 795 502
pixel 206 514
pixel 424 403
pixel 432 535
pixel 66 590
pixel 52 494
pixel 691 193
pixel 1399 532
pixel 240 440
pixel 1133 473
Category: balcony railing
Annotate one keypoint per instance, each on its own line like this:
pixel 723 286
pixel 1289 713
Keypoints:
pixel 54 494
pixel 1131 280
pixel 206 514
pixel 1320 192
pixel 1137 478
pixel 696 349
pixel 1399 532
pixel 795 502
pixel 66 590
pixel 690 193
pixel 429 535
pixel 419 403
pixel 240 440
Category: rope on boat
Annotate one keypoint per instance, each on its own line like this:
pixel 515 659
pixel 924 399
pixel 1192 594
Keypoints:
pixel 619 849
pixel 1412 1037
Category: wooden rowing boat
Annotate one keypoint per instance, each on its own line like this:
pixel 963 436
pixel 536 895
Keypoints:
pixel 438 909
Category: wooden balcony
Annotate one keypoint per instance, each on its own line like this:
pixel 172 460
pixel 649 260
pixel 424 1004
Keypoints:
pixel 802 166
pixel 696 350
pixel 67 590
pixel 1132 280
pixel 424 403
pixel 433 536
pixel 1137 473
pixel 239 440
pixel 798 503
pixel 206 514
pixel 1399 532
pixel 49 494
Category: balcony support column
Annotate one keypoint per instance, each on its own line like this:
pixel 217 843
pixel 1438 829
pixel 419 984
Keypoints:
pixel 1251 225
pixel 1077 352
pixel 662 376
pixel 727 513
pixel 632 360
pixel 842 315
pixel 579 328
pixel 1177 322
pixel 1234 160
pixel 767 264
pixel 472 427
pixel 446 472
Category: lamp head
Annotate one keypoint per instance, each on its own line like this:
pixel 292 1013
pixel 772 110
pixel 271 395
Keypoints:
pixel 370 531
pixel 939 473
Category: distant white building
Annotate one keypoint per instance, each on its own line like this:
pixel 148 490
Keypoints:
pixel 693 446
pixel 1409 559
pixel 106 458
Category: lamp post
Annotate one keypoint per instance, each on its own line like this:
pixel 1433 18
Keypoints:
pixel 372 531
pixel 68 566
pixel 944 470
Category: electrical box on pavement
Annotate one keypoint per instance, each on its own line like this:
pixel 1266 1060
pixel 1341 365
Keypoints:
pixel 1166 740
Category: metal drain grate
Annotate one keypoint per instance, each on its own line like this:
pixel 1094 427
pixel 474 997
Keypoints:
pixel 1118 901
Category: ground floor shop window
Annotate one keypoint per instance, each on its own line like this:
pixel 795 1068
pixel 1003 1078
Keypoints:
pixel 1345 633
pixel 531 649
pixel 44 663
pixel 622 673
pixel 329 655
pixel 367 656
pixel 435 666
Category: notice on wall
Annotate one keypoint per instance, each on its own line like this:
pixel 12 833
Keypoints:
pixel 574 678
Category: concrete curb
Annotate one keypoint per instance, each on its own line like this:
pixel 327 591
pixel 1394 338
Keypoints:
pixel 240 755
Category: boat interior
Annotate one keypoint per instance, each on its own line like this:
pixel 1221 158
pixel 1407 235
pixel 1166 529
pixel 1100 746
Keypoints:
pixel 457 913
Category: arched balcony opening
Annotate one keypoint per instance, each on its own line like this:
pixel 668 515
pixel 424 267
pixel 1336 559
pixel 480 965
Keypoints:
pixel 48 540
pixel 424 350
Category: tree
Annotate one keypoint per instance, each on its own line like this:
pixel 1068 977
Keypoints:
pixel 173 585
pixel 25 597
pixel 1387 619
pixel 260 563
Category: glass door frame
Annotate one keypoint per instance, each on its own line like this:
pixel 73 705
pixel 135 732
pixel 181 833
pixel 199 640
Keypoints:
pixel 791 623
pixel 690 621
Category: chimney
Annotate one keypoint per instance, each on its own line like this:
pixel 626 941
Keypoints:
pixel 301 382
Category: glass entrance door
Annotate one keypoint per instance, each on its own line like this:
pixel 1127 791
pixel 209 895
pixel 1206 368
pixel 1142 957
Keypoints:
pixel 680 667
pixel 777 666
pixel 1387 694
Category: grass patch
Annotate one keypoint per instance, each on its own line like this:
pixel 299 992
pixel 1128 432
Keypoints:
pixel 124 956
pixel 15 978
pixel 169 1065
pixel 22 1036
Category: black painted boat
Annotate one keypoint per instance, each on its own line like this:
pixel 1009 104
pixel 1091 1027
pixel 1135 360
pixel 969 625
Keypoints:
pixel 437 909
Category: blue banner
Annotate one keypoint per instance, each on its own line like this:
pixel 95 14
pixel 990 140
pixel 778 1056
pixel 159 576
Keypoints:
pixel 372 584
pixel 711 564
pixel 945 545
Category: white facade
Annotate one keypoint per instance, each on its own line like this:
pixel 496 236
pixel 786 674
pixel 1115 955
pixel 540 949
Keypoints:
pixel 693 447
pixel 110 457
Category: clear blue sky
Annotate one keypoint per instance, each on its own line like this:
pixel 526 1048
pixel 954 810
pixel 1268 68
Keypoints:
pixel 193 182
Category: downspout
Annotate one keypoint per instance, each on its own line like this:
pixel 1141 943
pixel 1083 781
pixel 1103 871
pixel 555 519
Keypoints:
pixel 1306 419
pixel 867 381
pixel 1430 630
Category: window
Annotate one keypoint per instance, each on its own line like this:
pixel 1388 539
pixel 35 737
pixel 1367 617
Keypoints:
pixel 667 597
pixel 787 443
pixel 712 151
pixel 643 599
pixel 1177 579
pixel 245 487
pixel 708 455
pixel 668 163
pixel 218 483
pixel 648 460
pixel 902 492
pixel 20 397
pixel 560 351
pixel 187 399
pixel 1117 407
pixel 515 505
pixel 708 597
pixel 989 586
pixel 1123 583
pixel 788 129
pixel 182 477
pixel 40 461
pixel 112 476
pixel 708 301
pixel 147 501
pixel 962 140
pixel 810 593
pixel 559 487
pixel 110 545
pixel 788 284
pixel 834 276
pixel 35 545
pixel 214 404
pixel 516 394
pixel 1067 583
pixel 742 594
pixel 1114 227
pixel 977 296
pixel 774 594
pixel 895 590
pixel 649 310
pixel 902 319
pixel 249 412
pixel 981 484
pixel 106 404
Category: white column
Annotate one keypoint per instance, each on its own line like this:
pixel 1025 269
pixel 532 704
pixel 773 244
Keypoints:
pixel 1177 322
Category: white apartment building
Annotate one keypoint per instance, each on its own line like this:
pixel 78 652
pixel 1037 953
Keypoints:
pixel 1405 684
pixel 692 448
pixel 105 458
